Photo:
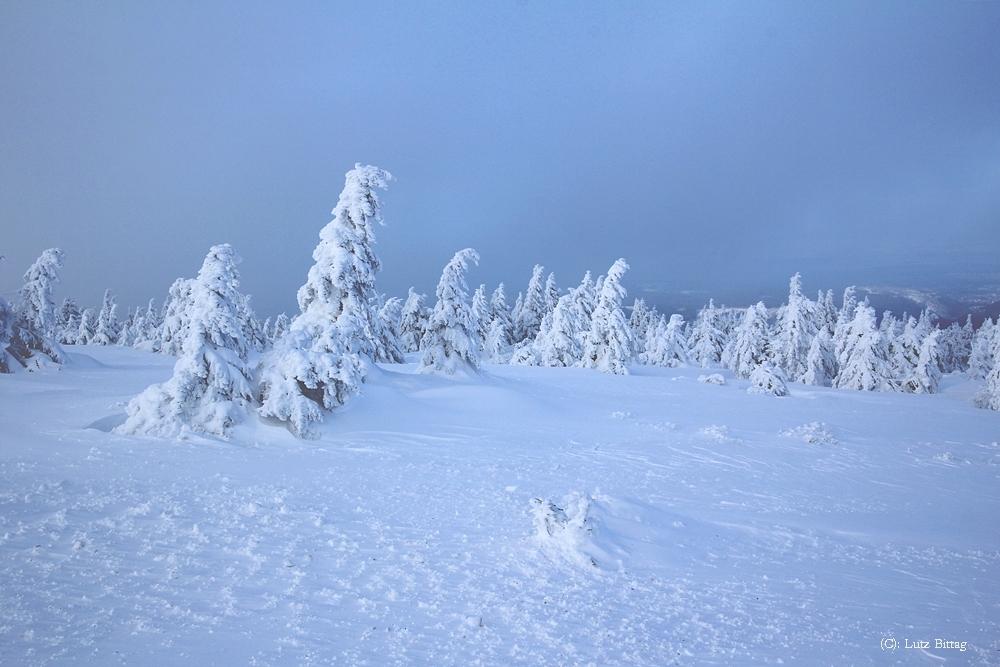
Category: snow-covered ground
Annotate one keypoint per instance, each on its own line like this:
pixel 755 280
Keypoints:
pixel 533 516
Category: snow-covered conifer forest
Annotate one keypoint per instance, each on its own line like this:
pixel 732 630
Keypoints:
pixel 544 476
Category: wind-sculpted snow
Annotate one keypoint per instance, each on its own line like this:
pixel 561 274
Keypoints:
pixel 533 516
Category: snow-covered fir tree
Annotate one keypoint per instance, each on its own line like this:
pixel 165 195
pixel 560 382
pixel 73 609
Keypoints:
pixel 210 391
pixel 108 327
pixel 552 293
pixel 826 312
pixel 35 308
pixel 795 325
pixel 988 397
pixel 768 380
pixel 666 344
pixel 528 316
pixel 750 345
pixel 175 319
pixel 280 326
pixel 497 348
pixel 88 325
pixel 412 322
pixel 821 363
pixel 499 311
pixel 707 340
pixel 341 284
pixel 640 320
pixel 608 346
pixel 68 321
pixel 904 349
pixel 926 373
pixel 389 315
pixel 954 345
pixel 980 353
pixel 451 343
pixel 845 316
pixel 484 315
pixel 864 362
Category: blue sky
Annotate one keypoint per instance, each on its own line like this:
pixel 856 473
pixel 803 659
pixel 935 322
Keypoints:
pixel 718 147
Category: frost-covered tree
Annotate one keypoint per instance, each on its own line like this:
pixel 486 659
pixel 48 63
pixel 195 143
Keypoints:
pixel 341 284
pixel 954 345
pixel 68 321
pixel 641 319
pixel 552 293
pixel 926 372
pixel 175 319
pixel 528 317
pixel 210 391
pixel 451 343
pixel 412 322
pixel 88 325
pixel 608 346
pixel 483 312
pixel 981 355
pixel 821 364
pixel 500 312
pixel 389 316
pixel 281 324
pixel 795 326
pixel 904 349
pixel 707 340
pixel 665 342
pixel 497 348
pixel 108 327
pixel 826 312
pixel 844 319
pixel 864 362
pixel 558 341
pixel 988 397
pixel 750 346
pixel 35 309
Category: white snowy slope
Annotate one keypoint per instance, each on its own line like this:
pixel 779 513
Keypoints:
pixel 532 516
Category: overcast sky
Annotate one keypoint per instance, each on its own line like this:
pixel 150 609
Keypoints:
pixel 715 146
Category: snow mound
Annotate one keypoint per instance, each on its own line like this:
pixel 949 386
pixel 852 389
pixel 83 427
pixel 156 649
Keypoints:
pixel 714 378
pixel 563 533
pixel 719 434
pixel 815 433
pixel 769 381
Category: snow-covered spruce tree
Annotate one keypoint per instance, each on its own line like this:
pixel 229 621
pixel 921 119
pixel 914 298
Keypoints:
pixel 484 315
pixel 665 342
pixel 108 327
pixel 68 321
pixel 412 322
pixel 88 325
pixel 210 391
pixel 35 309
pixel 552 293
pixel 864 363
pixel 341 283
pixel 795 326
pixel 988 397
pixel 389 316
pixel 904 349
pixel 324 356
pixel 821 364
pixel 500 311
pixel 980 354
pixel 560 347
pixel 926 372
pixel 954 346
pixel 826 312
pixel 451 343
pixel 844 318
pixel 707 341
pixel 497 348
pixel 640 320
pixel 528 318
pixel 609 344
pixel 176 317
pixel 750 346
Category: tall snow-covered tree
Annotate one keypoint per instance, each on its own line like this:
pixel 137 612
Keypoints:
pixel 108 327
pixel 175 319
pixel 341 284
pixel 640 320
pixel 864 362
pixel 483 312
pixel 412 322
pixel 35 308
pixel 500 311
pixel 389 316
pixel 926 372
pixel 609 344
pixel 980 354
pixel 707 340
pixel 750 346
pixel 451 343
pixel 210 391
pixel 665 342
pixel 821 363
pixel 552 293
pixel 988 397
pixel 794 328
pixel 905 348
pixel 954 345
pixel 68 321
pixel 845 316
pixel 88 325
pixel 528 318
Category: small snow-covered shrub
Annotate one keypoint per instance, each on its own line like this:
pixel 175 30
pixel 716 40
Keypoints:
pixel 815 433
pixel 767 379
pixel 714 378
pixel 564 532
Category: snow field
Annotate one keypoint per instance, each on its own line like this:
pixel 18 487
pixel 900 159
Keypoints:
pixel 530 516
